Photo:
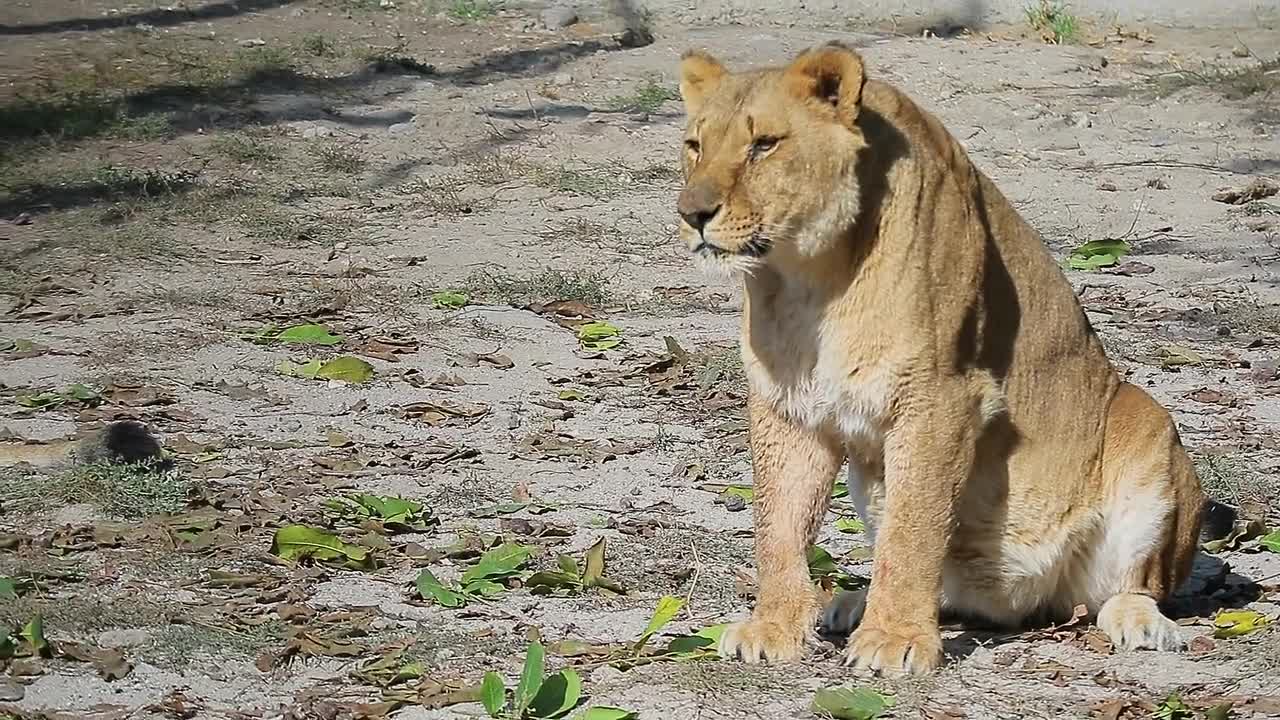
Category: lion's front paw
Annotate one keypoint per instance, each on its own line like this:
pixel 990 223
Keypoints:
pixel 765 639
pixel 916 653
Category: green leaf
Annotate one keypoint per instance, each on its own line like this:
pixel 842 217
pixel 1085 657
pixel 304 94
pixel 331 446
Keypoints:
pixel 1240 533
pixel 430 588
pixel 568 565
pixel 7 646
pixel 396 513
pixel 1218 712
pixel 599 335
pixel 449 299
pixel 8 588
pixel 853 526
pixel 1173 708
pixel 559 694
pixel 33 635
pixel 83 393
pixel 839 490
pixel 483 588
pixel 530 678
pixel 310 334
pixel 499 562
pixel 746 492
pixel 1097 254
pixel 702 644
pixel 1234 623
pixel 604 712
pixel 50 400
pixel 547 582
pixel 493 693
pixel 295 542
pixel 1271 542
pixel 345 368
pixel 571 395
pixel 594 571
pixel 851 703
pixel 668 607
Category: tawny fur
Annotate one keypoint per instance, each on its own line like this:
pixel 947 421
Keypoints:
pixel 902 316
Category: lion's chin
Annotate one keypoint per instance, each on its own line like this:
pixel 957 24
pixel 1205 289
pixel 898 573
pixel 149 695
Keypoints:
pixel 722 266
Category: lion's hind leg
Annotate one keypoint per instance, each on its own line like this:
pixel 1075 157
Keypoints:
pixel 1151 526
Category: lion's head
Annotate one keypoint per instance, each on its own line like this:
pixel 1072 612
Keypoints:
pixel 769 157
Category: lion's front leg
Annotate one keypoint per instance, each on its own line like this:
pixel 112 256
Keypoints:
pixel 928 454
pixel 793 469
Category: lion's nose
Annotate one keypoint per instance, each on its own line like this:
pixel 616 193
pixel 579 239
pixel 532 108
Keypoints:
pixel 698 219
pixel 698 203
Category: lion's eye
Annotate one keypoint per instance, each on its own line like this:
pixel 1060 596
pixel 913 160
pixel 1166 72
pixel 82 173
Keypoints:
pixel 692 146
pixel 764 144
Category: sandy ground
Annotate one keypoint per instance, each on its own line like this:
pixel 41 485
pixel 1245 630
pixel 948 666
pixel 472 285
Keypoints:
pixel 172 183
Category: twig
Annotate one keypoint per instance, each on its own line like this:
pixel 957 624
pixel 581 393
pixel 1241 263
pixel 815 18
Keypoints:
pixel 1164 164
pixel 693 582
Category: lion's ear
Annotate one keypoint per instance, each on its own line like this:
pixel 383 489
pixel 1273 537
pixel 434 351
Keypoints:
pixel 833 74
pixel 700 74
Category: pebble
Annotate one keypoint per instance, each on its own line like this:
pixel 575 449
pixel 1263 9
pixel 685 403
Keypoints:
pixel 398 128
pixel 317 131
pixel 253 42
pixel 13 692
pixel 559 16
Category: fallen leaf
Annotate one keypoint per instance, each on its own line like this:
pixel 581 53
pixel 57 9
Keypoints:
pixel 1271 542
pixel 1173 708
pixel 851 703
pixel 1172 356
pixel 850 525
pixel 668 607
pixel 310 334
pixel 493 693
pixel 430 588
pixel 296 542
pixel 498 563
pixel 33 635
pixel 599 335
pixel 1097 254
pixel 1241 533
pixel 345 368
pixel 1234 623
pixel 451 299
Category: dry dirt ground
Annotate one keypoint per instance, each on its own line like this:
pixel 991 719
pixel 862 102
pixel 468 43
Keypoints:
pixel 176 184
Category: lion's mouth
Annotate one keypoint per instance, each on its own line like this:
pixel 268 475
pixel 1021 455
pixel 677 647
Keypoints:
pixel 757 246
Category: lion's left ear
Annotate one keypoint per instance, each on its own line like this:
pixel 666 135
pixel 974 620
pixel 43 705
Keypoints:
pixel 833 74
pixel 700 74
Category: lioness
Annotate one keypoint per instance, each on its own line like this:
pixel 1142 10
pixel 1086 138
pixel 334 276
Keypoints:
pixel 902 316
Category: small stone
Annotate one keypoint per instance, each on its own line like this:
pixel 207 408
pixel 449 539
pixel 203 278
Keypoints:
pixel 399 128
pixel 735 503
pixel 562 79
pixel 1240 51
pixel 559 16
pixel 387 5
pixel 317 131
pixel 1080 120
pixel 1107 186
pixel 253 42
pixel 11 691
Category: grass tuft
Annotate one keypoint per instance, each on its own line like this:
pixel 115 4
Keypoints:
pixel 1055 23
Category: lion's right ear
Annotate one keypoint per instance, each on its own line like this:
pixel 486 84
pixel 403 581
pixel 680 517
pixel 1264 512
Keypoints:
pixel 700 74
pixel 832 73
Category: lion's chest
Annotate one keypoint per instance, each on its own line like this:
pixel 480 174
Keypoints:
pixel 851 401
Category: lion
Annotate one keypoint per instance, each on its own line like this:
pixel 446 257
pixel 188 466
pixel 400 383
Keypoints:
pixel 902 317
